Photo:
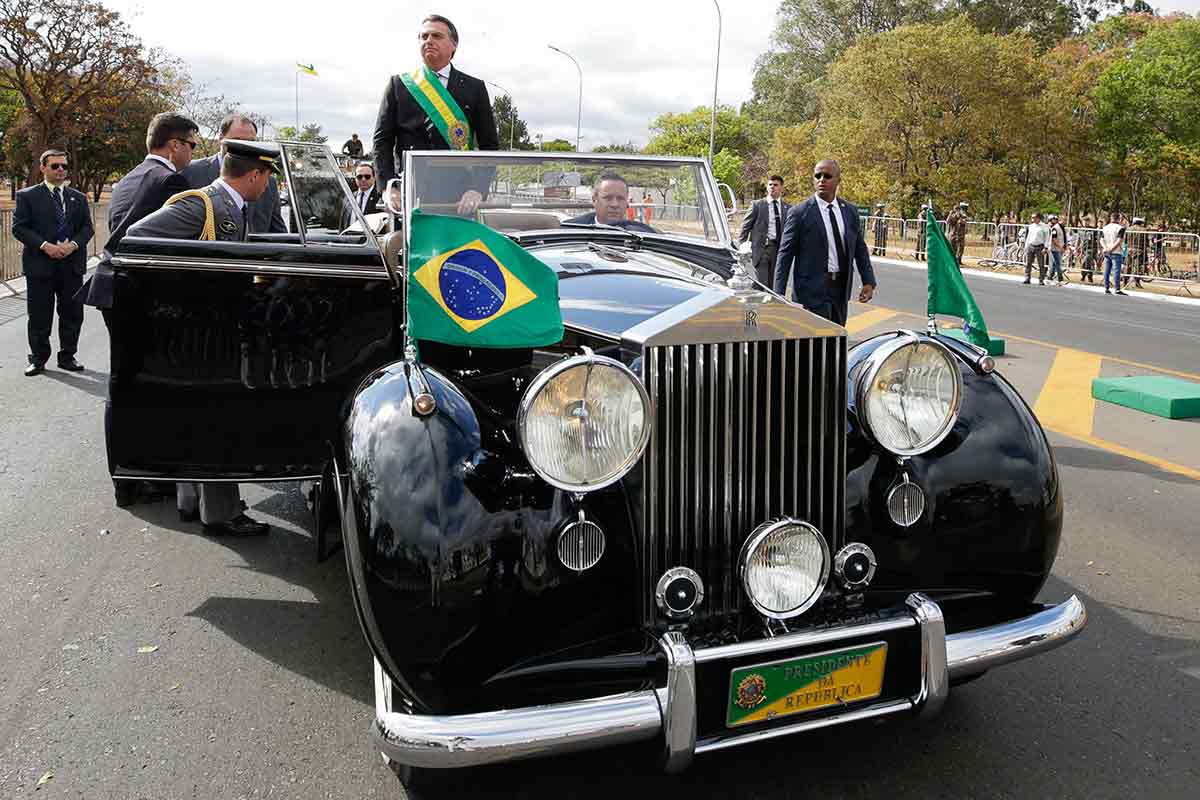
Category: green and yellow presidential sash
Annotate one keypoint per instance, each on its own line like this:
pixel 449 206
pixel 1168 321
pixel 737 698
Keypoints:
pixel 443 112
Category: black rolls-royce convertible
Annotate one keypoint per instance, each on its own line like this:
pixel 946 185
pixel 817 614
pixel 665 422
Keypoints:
pixel 701 519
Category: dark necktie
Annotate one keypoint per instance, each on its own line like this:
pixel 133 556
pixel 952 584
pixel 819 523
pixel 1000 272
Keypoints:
pixel 837 241
pixel 775 218
pixel 245 221
pixel 60 215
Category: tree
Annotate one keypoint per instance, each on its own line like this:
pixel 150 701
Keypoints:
pixel 65 56
pixel 931 110
pixel 311 133
pixel 512 128
pixel 558 146
pixel 686 134
pixel 627 147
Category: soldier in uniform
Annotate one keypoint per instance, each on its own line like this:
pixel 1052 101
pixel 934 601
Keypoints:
pixel 922 232
pixel 879 248
pixel 956 229
pixel 218 212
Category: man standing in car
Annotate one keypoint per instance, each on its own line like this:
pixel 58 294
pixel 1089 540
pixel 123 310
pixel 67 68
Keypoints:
pixel 436 107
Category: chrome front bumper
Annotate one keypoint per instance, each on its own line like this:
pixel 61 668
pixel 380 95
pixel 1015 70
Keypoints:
pixel 669 713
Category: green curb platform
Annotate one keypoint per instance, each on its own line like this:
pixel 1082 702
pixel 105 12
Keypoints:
pixel 1173 398
pixel 995 346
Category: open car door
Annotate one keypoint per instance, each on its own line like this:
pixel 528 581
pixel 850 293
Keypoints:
pixel 233 360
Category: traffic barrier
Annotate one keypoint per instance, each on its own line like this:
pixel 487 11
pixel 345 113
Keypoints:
pixel 1168 257
pixel 10 248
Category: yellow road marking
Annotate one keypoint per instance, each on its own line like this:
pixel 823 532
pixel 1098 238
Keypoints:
pixel 1065 403
pixel 875 316
pixel 1136 455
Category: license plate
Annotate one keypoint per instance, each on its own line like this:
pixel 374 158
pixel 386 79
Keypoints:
pixel 796 685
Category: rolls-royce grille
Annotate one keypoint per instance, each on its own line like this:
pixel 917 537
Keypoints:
pixel 744 432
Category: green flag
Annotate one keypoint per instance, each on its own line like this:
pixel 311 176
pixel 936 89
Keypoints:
pixel 472 287
pixel 948 292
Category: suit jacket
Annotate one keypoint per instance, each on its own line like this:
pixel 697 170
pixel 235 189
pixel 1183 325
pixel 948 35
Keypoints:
pixel 143 190
pixel 184 219
pixel 373 200
pixel 34 222
pixel 628 224
pixel 756 222
pixel 265 214
pixel 804 254
pixel 403 125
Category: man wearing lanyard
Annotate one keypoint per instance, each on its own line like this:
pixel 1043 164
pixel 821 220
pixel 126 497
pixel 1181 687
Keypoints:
pixel 820 245
pixel 265 214
pixel 763 226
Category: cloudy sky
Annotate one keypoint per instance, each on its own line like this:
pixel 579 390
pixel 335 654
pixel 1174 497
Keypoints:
pixel 640 58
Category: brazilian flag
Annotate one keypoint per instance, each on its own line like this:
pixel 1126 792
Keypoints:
pixel 948 292
pixel 472 287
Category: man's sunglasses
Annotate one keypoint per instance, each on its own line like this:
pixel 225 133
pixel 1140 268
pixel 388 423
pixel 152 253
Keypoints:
pixel 57 166
pixel 822 175
pixel 363 177
pixel 191 145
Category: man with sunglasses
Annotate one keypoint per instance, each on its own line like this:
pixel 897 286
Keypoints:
pixel 366 194
pixel 821 243
pixel 52 220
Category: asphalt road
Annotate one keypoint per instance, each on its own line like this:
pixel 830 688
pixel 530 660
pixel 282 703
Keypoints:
pixel 260 685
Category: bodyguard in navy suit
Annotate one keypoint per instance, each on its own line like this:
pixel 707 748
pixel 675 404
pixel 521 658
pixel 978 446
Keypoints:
pixel 55 225
pixel 821 242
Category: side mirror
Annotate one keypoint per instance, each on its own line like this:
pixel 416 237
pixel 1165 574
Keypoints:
pixel 393 195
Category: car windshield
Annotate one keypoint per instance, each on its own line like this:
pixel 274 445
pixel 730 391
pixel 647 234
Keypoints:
pixel 542 191
pixel 320 201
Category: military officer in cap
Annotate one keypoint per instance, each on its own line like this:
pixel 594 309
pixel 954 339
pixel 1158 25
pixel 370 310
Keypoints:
pixel 218 212
pixel 879 248
pixel 956 229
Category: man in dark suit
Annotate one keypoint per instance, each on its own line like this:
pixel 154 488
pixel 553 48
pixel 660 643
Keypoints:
pixel 264 214
pixel 170 140
pixel 821 242
pixel 53 222
pixel 366 193
pixel 403 123
pixel 763 226
pixel 610 205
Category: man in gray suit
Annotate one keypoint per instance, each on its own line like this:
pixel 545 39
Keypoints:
pixel 264 214
pixel 218 212
pixel 763 226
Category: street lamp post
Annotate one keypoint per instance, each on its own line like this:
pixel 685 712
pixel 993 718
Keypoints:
pixel 579 115
pixel 712 126
pixel 512 114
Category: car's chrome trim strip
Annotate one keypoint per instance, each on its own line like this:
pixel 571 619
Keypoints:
pixel 972 652
pixel 253 267
pixel 671 710
pixel 727 458
pixel 857 715
pixel 800 639
pixel 184 478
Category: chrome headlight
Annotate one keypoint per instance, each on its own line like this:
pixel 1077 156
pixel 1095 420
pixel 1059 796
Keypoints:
pixel 784 567
pixel 584 422
pixel 908 393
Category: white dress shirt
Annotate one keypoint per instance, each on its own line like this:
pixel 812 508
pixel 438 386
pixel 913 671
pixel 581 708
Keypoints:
pixel 774 211
pixel 166 161
pixel 443 75
pixel 834 266
pixel 1037 234
pixel 363 194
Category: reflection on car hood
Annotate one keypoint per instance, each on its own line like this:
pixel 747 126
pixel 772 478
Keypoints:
pixel 610 289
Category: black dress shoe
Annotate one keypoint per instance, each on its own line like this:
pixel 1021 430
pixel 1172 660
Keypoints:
pixel 241 525
pixel 70 364
pixel 1120 292
pixel 34 369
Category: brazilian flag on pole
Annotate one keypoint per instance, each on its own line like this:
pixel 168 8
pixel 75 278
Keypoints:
pixel 948 292
pixel 472 287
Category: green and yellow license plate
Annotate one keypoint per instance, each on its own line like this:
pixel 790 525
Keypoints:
pixel 792 686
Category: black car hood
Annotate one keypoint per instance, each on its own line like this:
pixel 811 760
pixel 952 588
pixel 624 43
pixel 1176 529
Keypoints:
pixel 608 290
